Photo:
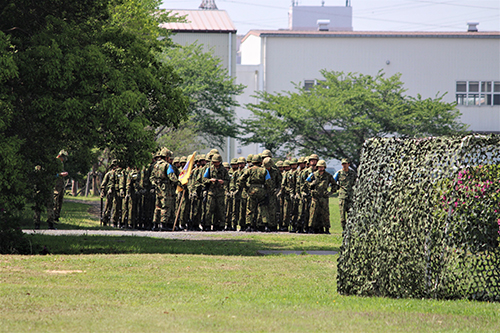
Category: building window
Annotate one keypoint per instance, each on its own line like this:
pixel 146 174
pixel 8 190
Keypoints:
pixel 478 93
pixel 308 84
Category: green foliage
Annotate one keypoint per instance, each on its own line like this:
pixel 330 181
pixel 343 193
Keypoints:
pixel 76 80
pixel 12 238
pixel 210 89
pixel 425 220
pixel 142 17
pixel 182 140
pixel 335 117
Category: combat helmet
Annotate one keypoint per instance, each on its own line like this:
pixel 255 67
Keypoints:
pixel 345 161
pixel 256 159
pixel 321 163
pixel 268 162
pixel 266 153
pixel 216 158
pixel 241 159
pixel 293 161
pixel 314 157
pixel 183 159
pixel 234 161
pixel 249 158
pixel 287 163
pixel 279 164
pixel 225 165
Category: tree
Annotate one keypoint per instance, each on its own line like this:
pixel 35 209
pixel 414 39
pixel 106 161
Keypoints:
pixel 210 90
pixel 77 81
pixel 335 117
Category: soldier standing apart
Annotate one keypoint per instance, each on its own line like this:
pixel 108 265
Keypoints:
pixel 319 181
pixel 256 179
pixel 346 179
pixel 215 179
pixel 59 188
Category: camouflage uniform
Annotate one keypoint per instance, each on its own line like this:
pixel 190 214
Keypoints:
pixel 117 197
pixel 149 197
pixel 125 198
pixel 59 187
pixel 346 181
pixel 165 181
pixel 256 179
pixel 287 191
pixel 215 194
pixel 43 196
pixel 273 191
pixel 319 220
pixel 107 190
pixel 195 193
pixel 132 193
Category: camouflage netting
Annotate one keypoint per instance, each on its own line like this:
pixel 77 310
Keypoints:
pixel 425 220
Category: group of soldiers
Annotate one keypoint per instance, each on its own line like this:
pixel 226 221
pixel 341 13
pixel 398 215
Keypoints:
pixel 252 194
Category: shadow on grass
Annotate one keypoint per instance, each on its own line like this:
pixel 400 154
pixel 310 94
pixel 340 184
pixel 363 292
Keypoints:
pixel 45 244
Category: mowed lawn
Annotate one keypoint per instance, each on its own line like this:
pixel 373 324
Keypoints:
pixel 211 284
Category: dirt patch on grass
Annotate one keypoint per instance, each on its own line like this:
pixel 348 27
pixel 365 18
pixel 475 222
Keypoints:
pixel 65 271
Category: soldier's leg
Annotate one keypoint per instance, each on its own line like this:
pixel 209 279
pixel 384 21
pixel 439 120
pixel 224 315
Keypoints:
pixel 58 201
pixel 236 213
pixel 243 214
pixel 313 216
pixel 287 211
pixel 124 216
pixel 209 212
pixel 170 211
pixel 50 212
pixel 272 222
pixel 220 213
pixel 325 215
pixel 157 212
pixel 251 211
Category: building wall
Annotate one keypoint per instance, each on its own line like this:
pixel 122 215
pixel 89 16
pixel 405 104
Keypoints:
pixel 429 66
pixel 250 76
pixel 250 51
pixel 218 43
pixel 223 46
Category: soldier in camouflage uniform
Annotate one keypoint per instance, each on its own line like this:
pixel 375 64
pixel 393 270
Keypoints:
pixel 273 191
pixel 195 193
pixel 149 197
pixel 287 190
pixel 165 181
pixel 318 182
pixel 345 178
pixel 107 190
pixel 124 218
pixel 132 195
pixel 294 170
pixel 256 179
pixel 230 195
pixel 236 191
pixel 59 187
pixel 185 203
pixel 215 180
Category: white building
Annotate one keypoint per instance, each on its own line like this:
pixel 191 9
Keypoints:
pixel 215 30
pixel 465 65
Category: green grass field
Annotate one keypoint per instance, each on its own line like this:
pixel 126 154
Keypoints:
pixel 214 284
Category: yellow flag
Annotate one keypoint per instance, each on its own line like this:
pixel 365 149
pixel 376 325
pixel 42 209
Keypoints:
pixel 186 172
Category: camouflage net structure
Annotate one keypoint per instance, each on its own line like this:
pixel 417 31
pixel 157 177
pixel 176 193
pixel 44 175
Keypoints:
pixel 425 220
